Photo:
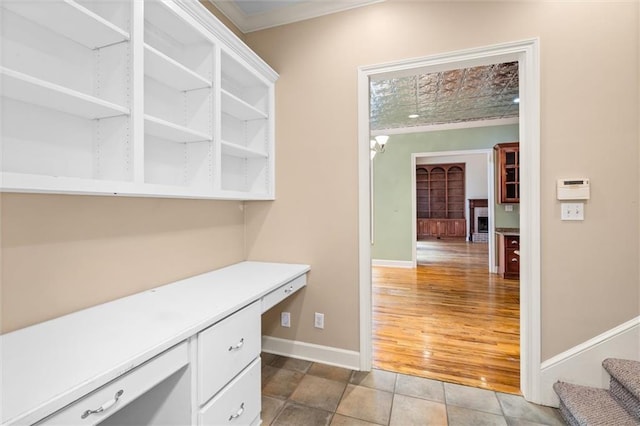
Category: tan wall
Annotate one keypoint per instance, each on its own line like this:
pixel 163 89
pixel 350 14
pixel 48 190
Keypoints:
pixel 589 116
pixel 64 253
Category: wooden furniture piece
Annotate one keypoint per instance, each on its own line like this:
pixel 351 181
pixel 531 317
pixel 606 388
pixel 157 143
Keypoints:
pixel 509 255
pixel 508 172
pixel 440 207
pixel 138 98
pixel 473 203
pixel 183 353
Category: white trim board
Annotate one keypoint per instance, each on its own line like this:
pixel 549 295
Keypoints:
pixel 392 263
pixel 582 364
pixel 526 52
pixel 311 352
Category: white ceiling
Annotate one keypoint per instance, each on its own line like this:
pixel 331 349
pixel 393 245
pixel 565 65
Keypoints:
pixel 254 15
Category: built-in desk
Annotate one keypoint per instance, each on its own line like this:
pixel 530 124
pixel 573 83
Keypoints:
pixel 183 353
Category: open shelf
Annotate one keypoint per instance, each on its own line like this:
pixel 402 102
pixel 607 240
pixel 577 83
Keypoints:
pixel 161 67
pixel 236 150
pixel 171 131
pixel 238 108
pixel 132 97
pixel 22 87
pixel 71 20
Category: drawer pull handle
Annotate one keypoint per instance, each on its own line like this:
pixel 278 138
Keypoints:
pixel 514 259
pixel 238 346
pixel 514 242
pixel 103 407
pixel 288 290
pixel 238 413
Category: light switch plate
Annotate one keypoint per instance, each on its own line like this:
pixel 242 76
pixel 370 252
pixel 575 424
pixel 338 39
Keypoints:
pixel 572 211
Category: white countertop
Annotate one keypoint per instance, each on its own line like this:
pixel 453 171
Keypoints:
pixel 49 365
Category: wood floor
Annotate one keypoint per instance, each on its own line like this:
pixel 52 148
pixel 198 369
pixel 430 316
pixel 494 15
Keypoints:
pixel 449 319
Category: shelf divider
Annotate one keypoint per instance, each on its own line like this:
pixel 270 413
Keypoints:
pixel 172 131
pixel 238 108
pixel 236 150
pixel 23 87
pixel 70 19
pixel 161 67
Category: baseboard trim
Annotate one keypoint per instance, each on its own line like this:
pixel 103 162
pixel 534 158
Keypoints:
pixel 582 364
pixel 392 263
pixel 311 352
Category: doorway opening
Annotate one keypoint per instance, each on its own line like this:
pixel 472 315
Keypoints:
pixel 526 53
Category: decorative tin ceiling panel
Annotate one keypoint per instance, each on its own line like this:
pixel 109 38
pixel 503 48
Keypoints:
pixel 471 94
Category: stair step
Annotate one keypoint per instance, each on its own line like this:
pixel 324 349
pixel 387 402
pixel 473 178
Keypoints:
pixel 586 406
pixel 626 372
pixel 625 383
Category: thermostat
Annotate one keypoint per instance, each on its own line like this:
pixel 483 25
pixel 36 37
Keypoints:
pixel 573 189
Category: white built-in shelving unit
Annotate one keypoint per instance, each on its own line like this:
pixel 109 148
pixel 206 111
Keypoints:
pixel 139 98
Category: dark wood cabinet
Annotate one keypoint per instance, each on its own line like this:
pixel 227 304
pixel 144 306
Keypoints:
pixel 509 256
pixel 508 172
pixel 440 200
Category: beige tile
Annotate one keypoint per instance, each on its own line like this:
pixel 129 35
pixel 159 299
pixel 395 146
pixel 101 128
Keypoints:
pixel 330 372
pixel 522 422
pixel 319 393
pixel 472 398
pixel 267 358
pixel 376 379
pixel 270 409
pixel 364 403
pixel 409 411
pixel 279 382
pixel 298 415
pixel 420 387
pixel 459 416
pixel 516 406
pixel 299 365
pixel 340 420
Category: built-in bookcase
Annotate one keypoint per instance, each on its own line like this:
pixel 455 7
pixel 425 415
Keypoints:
pixel 153 98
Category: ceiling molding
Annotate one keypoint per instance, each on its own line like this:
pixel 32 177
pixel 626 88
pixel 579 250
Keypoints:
pixel 448 126
pixel 281 15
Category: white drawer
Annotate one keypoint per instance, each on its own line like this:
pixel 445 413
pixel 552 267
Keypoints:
pixel 282 292
pixel 130 386
pixel 227 347
pixel 238 403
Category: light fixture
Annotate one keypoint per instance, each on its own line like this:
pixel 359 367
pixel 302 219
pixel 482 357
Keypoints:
pixel 377 144
pixel 516 100
pixel 414 115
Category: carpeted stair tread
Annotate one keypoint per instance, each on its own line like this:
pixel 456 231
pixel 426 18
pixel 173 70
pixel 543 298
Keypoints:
pixel 586 406
pixel 625 383
pixel 626 371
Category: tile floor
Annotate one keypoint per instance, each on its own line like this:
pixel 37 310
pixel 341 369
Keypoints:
pixel 303 393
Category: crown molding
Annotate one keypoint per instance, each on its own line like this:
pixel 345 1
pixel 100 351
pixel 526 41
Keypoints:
pixel 284 15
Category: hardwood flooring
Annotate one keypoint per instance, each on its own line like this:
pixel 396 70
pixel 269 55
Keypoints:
pixel 449 319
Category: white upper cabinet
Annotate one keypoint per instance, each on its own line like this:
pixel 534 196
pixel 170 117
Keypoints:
pixel 140 98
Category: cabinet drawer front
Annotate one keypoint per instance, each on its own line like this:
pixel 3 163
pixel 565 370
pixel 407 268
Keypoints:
pixel 238 403
pixel 282 292
pixel 128 387
pixel 227 347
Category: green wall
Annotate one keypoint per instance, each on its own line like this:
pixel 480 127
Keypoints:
pixel 392 182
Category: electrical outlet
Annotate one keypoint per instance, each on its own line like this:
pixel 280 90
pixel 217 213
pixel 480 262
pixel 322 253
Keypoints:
pixel 285 319
pixel 319 320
